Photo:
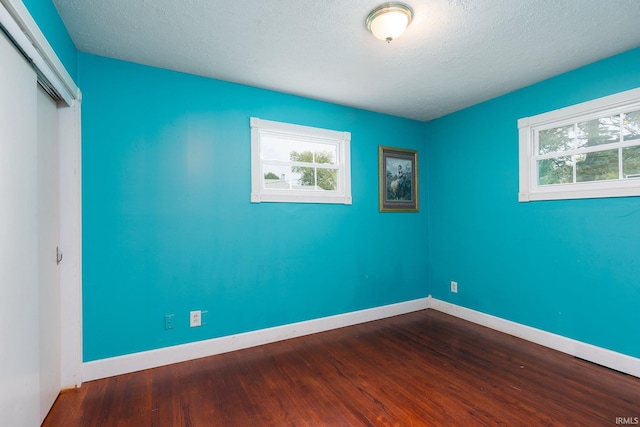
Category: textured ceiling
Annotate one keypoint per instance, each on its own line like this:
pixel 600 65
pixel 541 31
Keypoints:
pixel 454 54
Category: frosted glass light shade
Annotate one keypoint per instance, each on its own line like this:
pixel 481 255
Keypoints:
pixel 389 21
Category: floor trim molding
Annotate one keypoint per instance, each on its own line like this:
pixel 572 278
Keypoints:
pixel 112 366
pixel 611 359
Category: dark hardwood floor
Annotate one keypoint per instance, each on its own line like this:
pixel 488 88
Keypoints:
pixel 420 369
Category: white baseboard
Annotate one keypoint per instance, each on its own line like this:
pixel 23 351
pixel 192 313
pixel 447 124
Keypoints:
pixel 611 359
pixel 165 356
pixel 180 353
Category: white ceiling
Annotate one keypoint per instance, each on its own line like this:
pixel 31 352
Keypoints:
pixel 455 53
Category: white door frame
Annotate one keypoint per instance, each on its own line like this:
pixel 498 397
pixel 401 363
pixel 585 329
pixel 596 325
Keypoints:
pixel 70 192
pixel 25 33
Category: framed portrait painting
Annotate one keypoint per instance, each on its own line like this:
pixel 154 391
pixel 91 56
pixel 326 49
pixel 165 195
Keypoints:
pixel 398 179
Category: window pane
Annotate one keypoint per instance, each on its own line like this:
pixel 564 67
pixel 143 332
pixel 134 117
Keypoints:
pixel 631 127
pixel 631 162
pixel 327 179
pixel 279 177
pixel 555 171
pixel 326 154
pixel 598 166
pixel 556 139
pixel 314 153
pixel 605 130
pixel 281 149
pixel 307 176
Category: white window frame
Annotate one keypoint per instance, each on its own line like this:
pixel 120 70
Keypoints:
pixel 529 127
pixel 342 140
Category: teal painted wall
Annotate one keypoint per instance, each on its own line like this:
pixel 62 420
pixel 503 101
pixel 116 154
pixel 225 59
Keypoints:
pixel 568 267
pixel 46 16
pixel 168 226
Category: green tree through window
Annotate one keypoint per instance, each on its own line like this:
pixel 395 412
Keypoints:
pixel 325 178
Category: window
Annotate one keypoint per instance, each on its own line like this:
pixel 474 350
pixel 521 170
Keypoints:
pixel 587 150
pixel 292 163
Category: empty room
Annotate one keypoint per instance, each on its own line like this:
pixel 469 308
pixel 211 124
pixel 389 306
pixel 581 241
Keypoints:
pixel 294 212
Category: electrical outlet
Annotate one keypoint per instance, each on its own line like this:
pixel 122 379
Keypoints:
pixel 454 287
pixel 195 318
pixel 168 321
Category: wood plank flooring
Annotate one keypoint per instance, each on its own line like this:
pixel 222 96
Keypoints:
pixel 420 369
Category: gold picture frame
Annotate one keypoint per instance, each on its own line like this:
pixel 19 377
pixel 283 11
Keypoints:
pixel 398 179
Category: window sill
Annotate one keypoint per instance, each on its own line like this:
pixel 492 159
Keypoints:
pixel 297 198
pixel 560 193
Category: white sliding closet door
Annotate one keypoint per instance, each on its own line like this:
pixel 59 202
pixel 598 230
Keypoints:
pixel 48 241
pixel 29 231
pixel 19 324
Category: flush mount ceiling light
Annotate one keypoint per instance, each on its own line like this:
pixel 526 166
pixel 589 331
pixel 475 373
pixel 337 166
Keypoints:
pixel 388 21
